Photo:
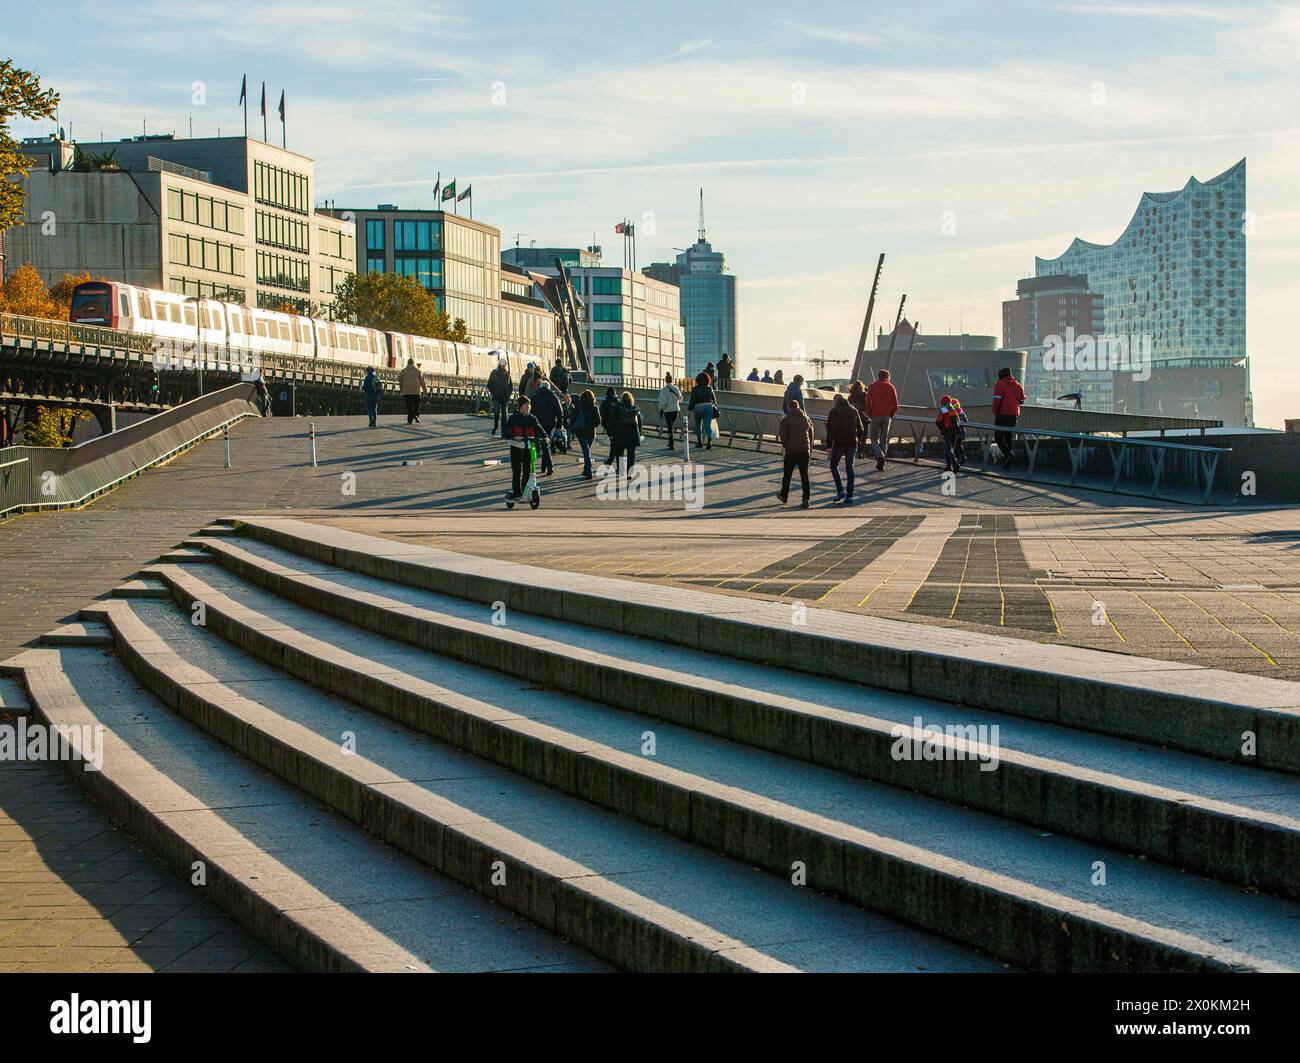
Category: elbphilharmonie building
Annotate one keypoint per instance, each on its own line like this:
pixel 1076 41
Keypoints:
pixel 1175 281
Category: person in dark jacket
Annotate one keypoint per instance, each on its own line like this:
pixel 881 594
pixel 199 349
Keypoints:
pixel 373 389
pixel 521 427
pixel 725 368
pixel 586 419
pixel 844 432
pixel 548 411
pixel 500 388
pixel 858 400
pixel 627 429
pixel 560 377
pixel 703 408
pixel 607 407
pixel 796 435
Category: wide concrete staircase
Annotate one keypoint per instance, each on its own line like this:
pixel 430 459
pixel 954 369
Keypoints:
pixel 390 757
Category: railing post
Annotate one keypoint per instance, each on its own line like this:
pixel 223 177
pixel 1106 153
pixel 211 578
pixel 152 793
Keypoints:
pixel 225 438
pixel 311 433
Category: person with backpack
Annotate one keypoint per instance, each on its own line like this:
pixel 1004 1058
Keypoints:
pixel 703 408
pixel 373 389
pixel 670 405
pixel 607 407
pixel 500 388
pixel 560 376
pixel 796 435
pixel 547 410
pixel 844 432
pixel 882 406
pixel 586 419
pixel 952 426
pixel 627 429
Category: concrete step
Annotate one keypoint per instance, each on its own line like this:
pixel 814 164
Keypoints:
pixel 1181 706
pixel 186 554
pixel 619 889
pixel 1236 824
pixel 13 698
pixel 218 530
pixel 79 633
pixel 1030 898
pixel 280 864
pixel 140 588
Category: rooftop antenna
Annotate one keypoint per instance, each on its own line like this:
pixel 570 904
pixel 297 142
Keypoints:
pixel 701 215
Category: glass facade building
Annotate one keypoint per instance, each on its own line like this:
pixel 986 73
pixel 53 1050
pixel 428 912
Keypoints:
pixel 458 261
pixel 1175 279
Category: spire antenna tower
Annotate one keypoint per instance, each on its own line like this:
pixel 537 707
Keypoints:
pixel 701 215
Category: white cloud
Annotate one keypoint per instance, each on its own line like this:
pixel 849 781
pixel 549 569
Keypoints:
pixel 689 47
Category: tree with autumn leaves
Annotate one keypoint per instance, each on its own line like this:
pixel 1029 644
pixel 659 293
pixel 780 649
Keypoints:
pixel 23 292
pixel 21 96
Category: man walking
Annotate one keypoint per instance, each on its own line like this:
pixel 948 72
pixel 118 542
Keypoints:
pixel 412 384
pixel 549 413
pixel 373 389
pixel 882 405
pixel 843 434
pixel 794 393
pixel 560 376
pixel 1007 398
pixel 500 388
pixel 796 434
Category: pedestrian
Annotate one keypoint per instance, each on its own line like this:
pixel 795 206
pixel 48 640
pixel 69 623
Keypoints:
pixel 627 429
pixel 1008 396
pixel 794 393
pixel 725 366
pixel 586 419
pixel 844 432
pixel 263 399
pixel 796 434
pixel 560 376
pixel 607 407
pixel 753 375
pixel 703 407
pixel 767 377
pixel 711 373
pixel 500 387
pixel 670 405
pixel 882 405
pixel 779 377
pixel 373 389
pixel 548 412
pixel 411 382
pixel 567 411
pixel 532 382
pixel 951 422
pixel 521 428
pixel 858 400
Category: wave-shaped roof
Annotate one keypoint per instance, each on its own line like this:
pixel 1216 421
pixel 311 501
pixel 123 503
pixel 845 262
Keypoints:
pixel 1153 197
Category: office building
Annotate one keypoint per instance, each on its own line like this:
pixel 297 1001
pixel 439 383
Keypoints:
pixel 1174 283
pixel 459 261
pixel 224 217
pixel 534 257
pixel 630 323
pixel 709 300
pixel 1044 309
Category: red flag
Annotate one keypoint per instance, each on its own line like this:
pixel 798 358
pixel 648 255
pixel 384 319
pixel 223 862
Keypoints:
pixel 619 227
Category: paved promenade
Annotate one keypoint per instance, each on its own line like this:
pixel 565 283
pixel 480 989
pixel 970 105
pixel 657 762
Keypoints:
pixel 1219 587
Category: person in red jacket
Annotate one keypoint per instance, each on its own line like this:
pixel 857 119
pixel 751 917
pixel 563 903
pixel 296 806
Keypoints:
pixel 882 404
pixel 1007 397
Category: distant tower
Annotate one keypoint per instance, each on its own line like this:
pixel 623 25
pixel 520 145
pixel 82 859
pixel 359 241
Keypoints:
pixel 701 215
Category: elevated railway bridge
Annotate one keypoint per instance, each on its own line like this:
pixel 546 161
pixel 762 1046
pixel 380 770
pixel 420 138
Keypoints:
pixel 107 371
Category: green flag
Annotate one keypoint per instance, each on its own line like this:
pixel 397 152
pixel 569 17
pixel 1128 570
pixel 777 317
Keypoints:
pixel 449 190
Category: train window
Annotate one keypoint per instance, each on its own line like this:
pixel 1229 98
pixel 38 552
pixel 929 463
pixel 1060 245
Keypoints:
pixel 284 331
pixel 236 325
pixel 189 314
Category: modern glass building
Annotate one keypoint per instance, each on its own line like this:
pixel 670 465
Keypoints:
pixel 709 301
pixel 1175 279
pixel 458 260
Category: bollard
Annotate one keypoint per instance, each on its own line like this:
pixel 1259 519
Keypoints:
pixel 686 439
pixel 225 436
pixel 312 435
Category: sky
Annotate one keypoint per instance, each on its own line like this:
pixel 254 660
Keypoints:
pixel 959 139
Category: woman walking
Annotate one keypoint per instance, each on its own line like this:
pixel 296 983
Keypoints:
pixel 627 429
pixel 585 422
pixel 670 405
pixel 703 407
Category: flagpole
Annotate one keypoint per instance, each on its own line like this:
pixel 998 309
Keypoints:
pixel 265 138
pixel 284 124
pixel 244 97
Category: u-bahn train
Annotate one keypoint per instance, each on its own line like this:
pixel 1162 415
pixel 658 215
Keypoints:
pixel 231 327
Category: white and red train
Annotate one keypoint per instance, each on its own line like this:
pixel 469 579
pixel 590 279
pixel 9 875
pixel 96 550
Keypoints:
pixel 233 331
